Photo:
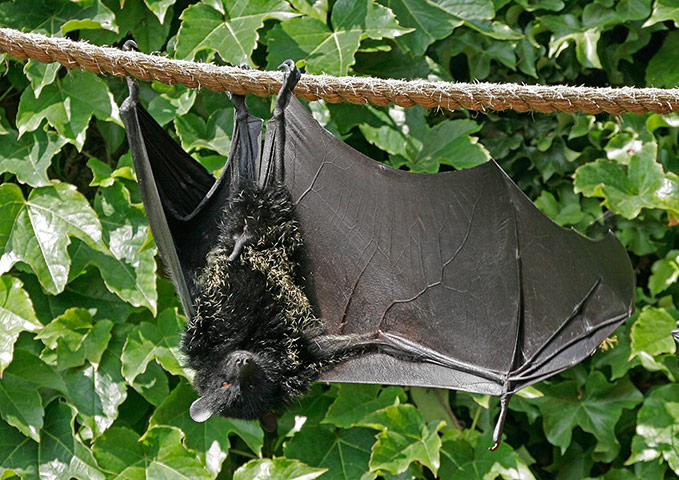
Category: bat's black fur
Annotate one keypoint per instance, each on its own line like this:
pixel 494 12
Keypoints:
pixel 254 341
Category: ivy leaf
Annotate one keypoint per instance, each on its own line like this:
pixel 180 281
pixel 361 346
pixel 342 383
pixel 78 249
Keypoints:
pixel 56 17
pixel 643 185
pixel 159 453
pixel 167 102
pixel 152 384
pixel 276 469
pixel 596 411
pixel 18 452
pixel 355 401
pixel 35 231
pixel 665 273
pixel 68 106
pixel 128 269
pixel 159 8
pixel 331 49
pixel 432 21
pixel 469 458
pixel 232 33
pixel 40 74
pixel 20 402
pixel 403 439
pixel 567 28
pixel 215 134
pixel 530 5
pixel 650 333
pixel 76 337
pixel 96 391
pixel 404 133
pixel 618 356
pixel 657 73
pixel 29 156
pixel 210 439
pixel 88 291
pixel 345 453
pixel 143 23
pixel 657 434
pixel 16 316
pixel 663 10
pixel 147 342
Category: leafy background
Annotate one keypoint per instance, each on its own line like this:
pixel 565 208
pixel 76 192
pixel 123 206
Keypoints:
pixel 92 385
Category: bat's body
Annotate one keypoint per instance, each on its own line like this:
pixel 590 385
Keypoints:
pixel 452 280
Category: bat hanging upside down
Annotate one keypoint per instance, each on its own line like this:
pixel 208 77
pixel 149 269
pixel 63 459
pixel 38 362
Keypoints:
pixel 309 261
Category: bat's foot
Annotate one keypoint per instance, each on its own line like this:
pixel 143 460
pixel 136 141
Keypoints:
pixel 240 242
pixel 130 45
pixel 290 79
pixel 497 431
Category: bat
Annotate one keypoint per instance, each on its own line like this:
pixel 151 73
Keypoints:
pixel 306 260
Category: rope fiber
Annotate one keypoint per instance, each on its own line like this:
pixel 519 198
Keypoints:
pixel 357 90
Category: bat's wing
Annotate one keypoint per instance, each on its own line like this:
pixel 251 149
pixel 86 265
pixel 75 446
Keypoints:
pixel 458 267
pixel 183 200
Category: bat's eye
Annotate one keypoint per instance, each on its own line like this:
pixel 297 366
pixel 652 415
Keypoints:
pixel 225 384
pixel 252 387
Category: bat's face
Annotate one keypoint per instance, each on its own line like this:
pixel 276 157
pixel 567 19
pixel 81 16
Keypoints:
pixel 238 388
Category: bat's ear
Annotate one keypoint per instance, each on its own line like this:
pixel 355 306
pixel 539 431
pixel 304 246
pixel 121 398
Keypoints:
pixel 200 410
pixel 268 422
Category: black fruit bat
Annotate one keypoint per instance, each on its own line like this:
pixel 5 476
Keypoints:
pixel 452 280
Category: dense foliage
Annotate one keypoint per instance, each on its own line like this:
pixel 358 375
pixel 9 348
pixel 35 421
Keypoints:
pixel 92 383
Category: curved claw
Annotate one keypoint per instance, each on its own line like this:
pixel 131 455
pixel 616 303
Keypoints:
pixel 497 431
pixel 290 79
pixel 133 97
pixel 130 45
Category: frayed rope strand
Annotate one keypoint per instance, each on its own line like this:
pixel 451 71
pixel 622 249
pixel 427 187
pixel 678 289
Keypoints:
pixel 357 90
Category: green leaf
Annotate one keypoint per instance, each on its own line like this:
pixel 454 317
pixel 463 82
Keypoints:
pixel 172 102
pixel 532 5
pixel 87 291
pixel 403 439
pixel 159 8
pixel 657 72
pixel 231 33
pixel 35 231
pixel 566 29
pixel 209 439
pixel 158 454
pixel 404 133
pixel 147 342
pixel 76 337
pixel 194 132
pixel 643 185
pixel 18 453
pixel 29 157
pixel 470 458
pixel 331 49
pixel 355 401
pixel 16 316
pixel 136 19
pixel 431 21
pixel 96 391
pixel 650 333
pixel 665 273
pixel 276 469
pixel 657 434
pixel 596 410
pixel 40 74
pixel 663 10
pixel 152 384
pixel 618 355
pixel 345 453
pixel 68 106
pixel 56 17
pixel 128 269
pixel 20 402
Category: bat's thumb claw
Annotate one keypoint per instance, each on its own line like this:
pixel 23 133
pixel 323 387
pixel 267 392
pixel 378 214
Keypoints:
pixel 130 45
pixel 287 65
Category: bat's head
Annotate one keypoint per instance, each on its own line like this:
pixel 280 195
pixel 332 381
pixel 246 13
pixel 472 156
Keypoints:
pixel 239 388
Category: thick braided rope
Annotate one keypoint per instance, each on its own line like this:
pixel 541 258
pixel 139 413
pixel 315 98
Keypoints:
pixel 358 90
